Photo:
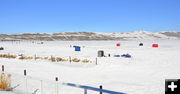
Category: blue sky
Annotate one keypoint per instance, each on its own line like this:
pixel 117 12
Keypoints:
pixel 48 16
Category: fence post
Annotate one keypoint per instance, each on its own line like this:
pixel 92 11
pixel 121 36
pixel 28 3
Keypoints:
pixel 96 60
pixel 22 57
pixel 56 88
pixel 8 55
pixel 85 91
pixel 41 87
pixel 2 68
pixel 24 72
pixel 25 81
pixel 35 57
pixel 100 88
pixel 69 59
pixel 51 58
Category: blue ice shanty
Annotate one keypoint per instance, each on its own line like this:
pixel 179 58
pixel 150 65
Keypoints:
pixel 77 48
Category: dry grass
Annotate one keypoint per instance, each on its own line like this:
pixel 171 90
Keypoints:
pixel 26 57
pixel 76 60
pixel 57 59
pixel 46 58
pixel 38 58
pixel 53 59
pixel 5 82
pixel 7 56
pixel 85 61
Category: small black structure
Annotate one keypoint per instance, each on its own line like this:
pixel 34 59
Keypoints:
pixel 140 44
pixel 1 48
pixel 100 53
pixel 109 55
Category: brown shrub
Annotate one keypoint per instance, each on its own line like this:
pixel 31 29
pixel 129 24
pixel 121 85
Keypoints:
pixel 5 82
pixel 76 60
pixel 7 56
pixel 58 59
pixel 85 61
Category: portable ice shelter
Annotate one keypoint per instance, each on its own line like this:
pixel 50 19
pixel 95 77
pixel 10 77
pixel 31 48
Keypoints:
pixel 117 56
pixel 77 48
pixel 1 48
pixel 155 45
pixel 140 44
pixel 100 53
pixel 126 55
pixel 118 44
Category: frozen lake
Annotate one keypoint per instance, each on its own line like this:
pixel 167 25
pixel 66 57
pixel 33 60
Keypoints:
pixel 144 73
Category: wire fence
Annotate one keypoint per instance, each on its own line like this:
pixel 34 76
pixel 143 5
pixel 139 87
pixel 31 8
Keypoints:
pixel 25 84
pixel 51 58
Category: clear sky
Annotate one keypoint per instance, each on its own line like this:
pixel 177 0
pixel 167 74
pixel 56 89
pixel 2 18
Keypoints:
pixel 48 16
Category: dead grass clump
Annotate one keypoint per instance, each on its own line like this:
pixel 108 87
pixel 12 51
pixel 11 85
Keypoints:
pixel 12 56
pixel 46 58
pixel 5 82
pixel 53 59
pixel 7 56
pixel 76 60
pixel 58 59
pixel 21 57
pixel 85 61
pixel 28 58
pixel 38 58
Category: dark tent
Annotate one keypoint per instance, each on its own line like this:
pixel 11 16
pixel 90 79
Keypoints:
pixel 100 53
pixel 140 44
pixel 1 48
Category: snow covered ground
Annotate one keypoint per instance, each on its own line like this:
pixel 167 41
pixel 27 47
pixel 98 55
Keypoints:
pixel 144 73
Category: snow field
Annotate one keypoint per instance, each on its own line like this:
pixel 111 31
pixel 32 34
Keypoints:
pixel 144 73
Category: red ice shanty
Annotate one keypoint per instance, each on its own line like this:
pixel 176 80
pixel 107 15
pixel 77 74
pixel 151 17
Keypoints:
pixel 118 44
pixel 155 45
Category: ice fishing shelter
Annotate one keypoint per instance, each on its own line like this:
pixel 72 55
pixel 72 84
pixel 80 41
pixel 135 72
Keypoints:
pixel 100 53
pixel 1 48
pixel 118 44
pixel 77 48
pixel 155 45
pixel 126 55
pixel 140 44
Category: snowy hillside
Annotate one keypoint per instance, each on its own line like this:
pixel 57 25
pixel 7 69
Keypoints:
pixel 137 35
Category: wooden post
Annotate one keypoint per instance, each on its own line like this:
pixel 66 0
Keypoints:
pixel 69 59
pixel 100 88
pixel 24 72
pixel 2 68
pixel 56 88
pixel 35 57
pixel 96 61
pixel 56 78
pixel 22 57
pixel 41 87
pixel 25 81
pixel 85 91
pixel 8 55
pixel 51 58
